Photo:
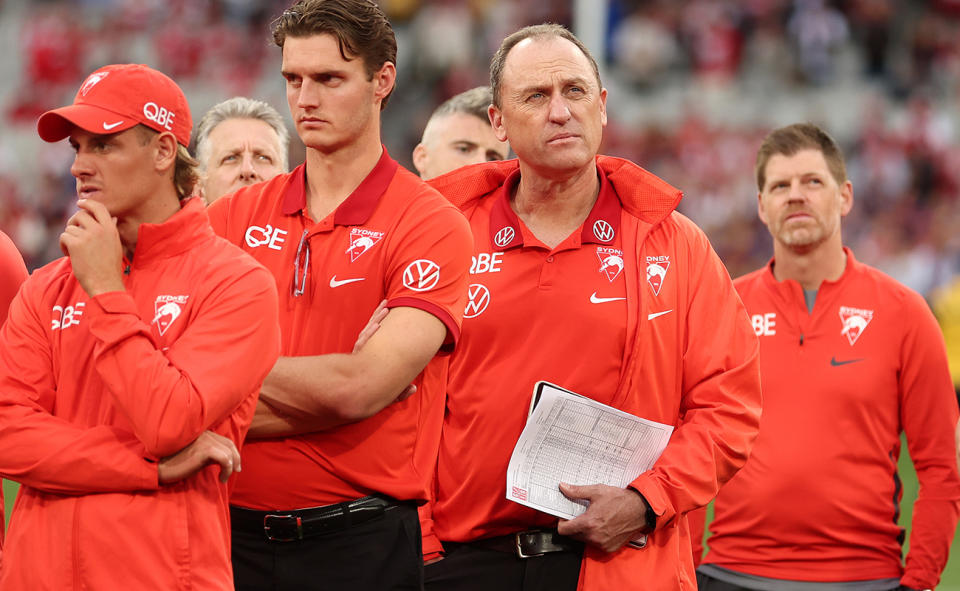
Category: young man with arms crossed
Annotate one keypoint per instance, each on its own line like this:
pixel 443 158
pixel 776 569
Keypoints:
pixel 335 466
pixel 850 359
pixel 586 277
pixel 132 362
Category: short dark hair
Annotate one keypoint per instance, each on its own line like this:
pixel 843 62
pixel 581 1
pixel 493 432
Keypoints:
pixel 797 137
pixel 531 32
pixel 360 27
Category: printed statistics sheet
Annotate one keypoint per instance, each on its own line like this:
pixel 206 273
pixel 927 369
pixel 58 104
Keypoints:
pixel 573 439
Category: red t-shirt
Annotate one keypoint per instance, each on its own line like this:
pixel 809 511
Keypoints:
pixel 394 238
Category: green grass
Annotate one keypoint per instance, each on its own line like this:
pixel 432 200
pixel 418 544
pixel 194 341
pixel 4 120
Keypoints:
pixel 950 580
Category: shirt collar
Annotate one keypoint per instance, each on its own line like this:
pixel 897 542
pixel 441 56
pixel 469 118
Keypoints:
pixel 355 209
pixel 600 227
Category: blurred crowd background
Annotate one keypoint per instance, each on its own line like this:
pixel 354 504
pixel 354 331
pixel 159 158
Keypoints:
pixel 693 87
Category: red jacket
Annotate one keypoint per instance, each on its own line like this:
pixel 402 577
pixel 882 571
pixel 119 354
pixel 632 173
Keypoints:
pixel 12 273
pixel 696 369
pixel 93 391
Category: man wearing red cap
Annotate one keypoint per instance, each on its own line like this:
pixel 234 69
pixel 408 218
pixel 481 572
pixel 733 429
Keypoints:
pixel 329 489
pixel 126 367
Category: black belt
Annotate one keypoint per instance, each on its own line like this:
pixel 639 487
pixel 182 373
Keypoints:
pixel 290 526
pixel 530 543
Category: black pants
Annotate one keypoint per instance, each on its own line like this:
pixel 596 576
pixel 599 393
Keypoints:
pixel 383 554
pixel 466 568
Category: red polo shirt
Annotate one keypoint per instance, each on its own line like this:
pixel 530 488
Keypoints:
pixel 393 238
pixel 534 313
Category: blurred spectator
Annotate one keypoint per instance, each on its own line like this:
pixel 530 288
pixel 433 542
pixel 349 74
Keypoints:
pixel 816 32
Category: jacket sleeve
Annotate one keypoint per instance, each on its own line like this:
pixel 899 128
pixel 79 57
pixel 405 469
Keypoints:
pixel 44 451
pixel 719 413
pixel 13 272
pixel 171 396
pixel 928 413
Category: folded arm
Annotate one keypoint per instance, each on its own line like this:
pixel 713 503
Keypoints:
pixel 313 393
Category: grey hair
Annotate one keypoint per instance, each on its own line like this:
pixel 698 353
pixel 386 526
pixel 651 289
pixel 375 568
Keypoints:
pixel 474 102
pixel 240 107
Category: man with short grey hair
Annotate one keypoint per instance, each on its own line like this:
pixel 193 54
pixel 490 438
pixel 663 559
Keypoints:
pixel 240 141
pixel 457 134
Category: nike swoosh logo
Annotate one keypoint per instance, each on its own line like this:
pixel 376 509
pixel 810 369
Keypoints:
pixel 109 126
pixel 595 300
pixel 655 314
pixel 835 363
pixel 335 283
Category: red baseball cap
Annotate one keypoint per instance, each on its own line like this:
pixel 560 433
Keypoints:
pixel 118 97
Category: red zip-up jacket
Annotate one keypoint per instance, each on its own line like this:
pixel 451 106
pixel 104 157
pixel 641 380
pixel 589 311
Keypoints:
pixel 94 391
pixel 696 368
pixel 12 273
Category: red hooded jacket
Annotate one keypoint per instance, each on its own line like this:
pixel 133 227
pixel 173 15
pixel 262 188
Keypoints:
pixel 94 391
pixel 696 369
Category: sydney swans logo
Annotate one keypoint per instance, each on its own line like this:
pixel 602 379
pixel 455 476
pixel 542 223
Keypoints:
pixel 167 309
pixel 854 322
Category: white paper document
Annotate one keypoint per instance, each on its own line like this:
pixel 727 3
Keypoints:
pixel 573 439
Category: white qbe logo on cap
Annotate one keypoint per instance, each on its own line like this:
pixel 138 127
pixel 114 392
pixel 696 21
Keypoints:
pixel 504 236
pixel 159 115
pixel 421 275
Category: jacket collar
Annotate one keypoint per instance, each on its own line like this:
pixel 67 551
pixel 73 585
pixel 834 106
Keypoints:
pixel 182 231
pixel 600 227
pixel 641 193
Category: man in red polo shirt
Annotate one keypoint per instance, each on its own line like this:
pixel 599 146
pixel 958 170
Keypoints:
pixel 584 276
pixel 850 361
pixel 334 468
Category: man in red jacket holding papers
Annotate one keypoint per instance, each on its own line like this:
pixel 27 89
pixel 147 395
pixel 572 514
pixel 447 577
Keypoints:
pixel 583 276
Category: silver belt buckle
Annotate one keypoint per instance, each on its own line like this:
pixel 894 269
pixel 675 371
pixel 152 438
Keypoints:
pixel 519 546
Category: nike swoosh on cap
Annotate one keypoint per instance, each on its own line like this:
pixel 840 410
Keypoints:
pixel 835 363
pixel 653 315
pixel 109 126
pixel 335 283
pixel 595 300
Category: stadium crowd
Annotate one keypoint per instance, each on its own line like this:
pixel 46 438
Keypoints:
pixel 698 85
